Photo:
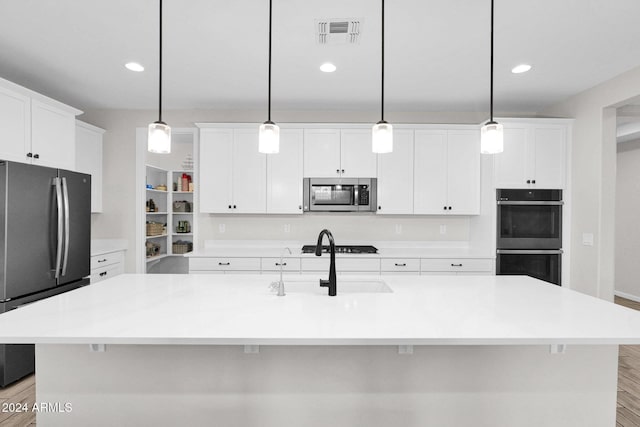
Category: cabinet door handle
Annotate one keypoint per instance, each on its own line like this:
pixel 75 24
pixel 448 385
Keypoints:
pixel 337 170
pixel 379 208
pixel 224 263
pixel 342 170
pixel 445 208
pixel 449 207
pixel 299 206
pixel 456 265
pixel 533 181
pixel 401 264
pixel 104 273
pixel 102 260
pixel 29 154
pixel 528 181
pixel 234 206
pixel 229 206
pixel 36 156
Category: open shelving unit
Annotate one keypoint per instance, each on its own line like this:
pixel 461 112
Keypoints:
pixel 169 213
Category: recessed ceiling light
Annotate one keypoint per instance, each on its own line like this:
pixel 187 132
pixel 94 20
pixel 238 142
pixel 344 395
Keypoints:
pixel 134 66
pixel 328 67
pixel 522 68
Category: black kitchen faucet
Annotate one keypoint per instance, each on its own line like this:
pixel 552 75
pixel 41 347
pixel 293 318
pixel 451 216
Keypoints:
pixel 331 283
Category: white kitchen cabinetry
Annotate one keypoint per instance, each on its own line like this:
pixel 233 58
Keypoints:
pixel 15 126
pixel 335 153
pixel 447 172
pixel 400 265
pixel 224 265
pixel 395 176
pixel 482 266
pixel 105 266
pixel 53 136
pixel 343 265
pixel 284 174
pixel 534 156
pixel 232 171
pixel 36 129
pixel 89 159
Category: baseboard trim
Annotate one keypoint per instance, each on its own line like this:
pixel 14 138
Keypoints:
pixel 627 296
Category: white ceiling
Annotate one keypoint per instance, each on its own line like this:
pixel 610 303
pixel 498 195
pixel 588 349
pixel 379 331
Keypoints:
pixel 437 52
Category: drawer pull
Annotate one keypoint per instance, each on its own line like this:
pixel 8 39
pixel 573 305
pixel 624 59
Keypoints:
pixel 404 264
pixel 224 263
pixel 102 260
pixel 456 265
pixel 283 264
pixel 104 273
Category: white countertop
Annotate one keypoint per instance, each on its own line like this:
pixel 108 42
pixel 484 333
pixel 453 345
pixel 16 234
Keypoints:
pixel 239 309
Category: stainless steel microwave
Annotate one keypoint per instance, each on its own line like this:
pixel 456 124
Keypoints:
pixel 340 194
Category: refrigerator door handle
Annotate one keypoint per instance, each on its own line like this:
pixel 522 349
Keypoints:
pixel 65 193
pixel 56 183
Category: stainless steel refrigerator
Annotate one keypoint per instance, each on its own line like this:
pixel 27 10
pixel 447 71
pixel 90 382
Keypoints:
pixel 45 237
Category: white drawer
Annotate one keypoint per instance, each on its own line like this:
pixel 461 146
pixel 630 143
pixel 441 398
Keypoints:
pixel 342 264
pixel 288 264
pixel 99 274
pixel 400 264
pixel 455 265
pixel 99 261
pixel 224 264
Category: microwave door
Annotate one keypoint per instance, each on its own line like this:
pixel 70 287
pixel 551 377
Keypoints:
pixel 335 197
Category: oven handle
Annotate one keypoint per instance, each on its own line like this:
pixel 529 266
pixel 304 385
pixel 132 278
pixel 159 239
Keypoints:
pixel 529 251
pixel 530 202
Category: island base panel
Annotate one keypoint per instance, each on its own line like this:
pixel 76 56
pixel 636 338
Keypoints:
pixel 516 386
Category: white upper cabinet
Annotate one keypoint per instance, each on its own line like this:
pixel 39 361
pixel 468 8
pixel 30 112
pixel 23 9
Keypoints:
pixel 36 129
pixel 284 174
pixel 447 172
pixel 395 176
pixel 232 171
pixel 335 153
pixel 356 158
pixel 15 125
pixel 322 153
pixel 89 159
pixel 534 156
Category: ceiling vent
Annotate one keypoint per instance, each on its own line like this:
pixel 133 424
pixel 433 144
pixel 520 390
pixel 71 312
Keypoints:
pixel 338 31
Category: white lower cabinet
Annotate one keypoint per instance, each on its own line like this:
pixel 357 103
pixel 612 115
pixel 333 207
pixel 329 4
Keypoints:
pixel 400 265
pixel 105 266
pixel 343 265
pixel 456 266
pixel 289 265
pixel 224 265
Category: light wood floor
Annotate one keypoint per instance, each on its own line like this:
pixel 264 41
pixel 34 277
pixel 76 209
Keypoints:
pixel 628 410
pixel 23 393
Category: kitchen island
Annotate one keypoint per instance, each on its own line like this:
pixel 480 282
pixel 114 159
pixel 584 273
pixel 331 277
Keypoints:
pixel 225 350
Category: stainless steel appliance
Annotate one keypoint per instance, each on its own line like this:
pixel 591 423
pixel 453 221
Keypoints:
pixel 340 194
pixel 343 249
pixel 45 237
pixel 529 233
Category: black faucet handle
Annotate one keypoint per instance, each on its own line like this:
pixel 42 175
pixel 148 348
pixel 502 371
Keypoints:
pixel 324 283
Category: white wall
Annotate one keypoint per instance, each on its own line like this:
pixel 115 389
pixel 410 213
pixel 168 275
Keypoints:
pixel 118 219
pixel 593 178
pixel 627 248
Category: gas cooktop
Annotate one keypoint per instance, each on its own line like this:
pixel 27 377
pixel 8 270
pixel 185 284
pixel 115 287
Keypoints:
pixel 347 249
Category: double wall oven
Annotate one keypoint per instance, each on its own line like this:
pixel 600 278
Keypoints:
pixel 529 233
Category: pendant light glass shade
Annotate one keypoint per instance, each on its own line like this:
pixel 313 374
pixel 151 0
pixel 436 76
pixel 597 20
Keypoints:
pixel 491 138
pixel 382 137
pixel 159 138
pixel 269 138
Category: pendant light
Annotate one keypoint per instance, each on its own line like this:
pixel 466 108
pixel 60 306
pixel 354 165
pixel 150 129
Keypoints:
pixel 159 138
pixel 491 134
pixel 382 132
pixel 269 135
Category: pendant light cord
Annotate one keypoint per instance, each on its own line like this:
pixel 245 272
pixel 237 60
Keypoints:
pixel 491 81
pixel 160 70
pixel 382 73
pixel 269 90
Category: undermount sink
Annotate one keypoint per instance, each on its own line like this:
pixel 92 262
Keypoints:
pixel 345 286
